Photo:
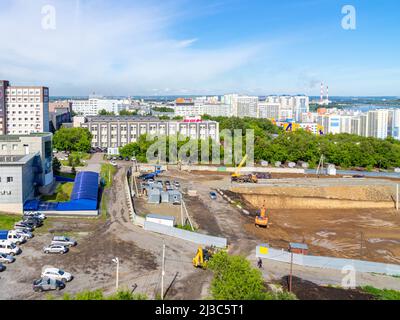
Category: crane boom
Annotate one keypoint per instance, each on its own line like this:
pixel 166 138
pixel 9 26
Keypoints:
pixel 241 165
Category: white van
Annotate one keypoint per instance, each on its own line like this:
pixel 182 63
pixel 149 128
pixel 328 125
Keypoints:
pixel 7 247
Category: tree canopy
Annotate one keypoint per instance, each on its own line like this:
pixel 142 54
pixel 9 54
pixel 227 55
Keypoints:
pixel 73 139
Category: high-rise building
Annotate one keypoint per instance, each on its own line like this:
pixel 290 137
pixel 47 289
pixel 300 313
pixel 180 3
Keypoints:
pixel 378 123
pixel 395 124
pixel 23 109
pixel 269 110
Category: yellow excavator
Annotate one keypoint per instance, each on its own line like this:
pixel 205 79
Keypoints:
pixel 262 220
pixel 202 257
pixel 243 178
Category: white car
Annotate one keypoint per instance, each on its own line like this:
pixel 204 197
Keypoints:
pixel 57 274
pixel 113 163
pixel 55 249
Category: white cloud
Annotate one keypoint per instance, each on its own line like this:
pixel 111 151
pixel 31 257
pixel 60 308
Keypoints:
pixel 108 48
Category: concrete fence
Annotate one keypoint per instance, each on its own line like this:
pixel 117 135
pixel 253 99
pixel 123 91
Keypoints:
pixel 264 252
pixel 242 170
pixel 137 220
pixel 194 237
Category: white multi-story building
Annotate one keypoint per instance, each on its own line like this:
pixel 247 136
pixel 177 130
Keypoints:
pixel 93 106
pixel 378 123
pixel 330 122
pixel 23 109
pixel 269 110
pixel 345 124
pixel 214 110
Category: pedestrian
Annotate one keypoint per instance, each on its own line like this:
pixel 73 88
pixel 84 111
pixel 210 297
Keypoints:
pixel 259 263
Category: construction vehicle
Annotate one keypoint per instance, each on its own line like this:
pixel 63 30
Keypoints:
pixel 262 220
pixel 202 257
pixel 243 178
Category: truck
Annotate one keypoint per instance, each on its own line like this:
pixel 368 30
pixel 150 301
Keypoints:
pixel 11 236
pixel 153 175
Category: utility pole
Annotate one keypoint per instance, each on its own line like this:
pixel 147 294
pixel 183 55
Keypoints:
pixel 163 273
pixel 291 272
pixel 116 260
pixel 397 197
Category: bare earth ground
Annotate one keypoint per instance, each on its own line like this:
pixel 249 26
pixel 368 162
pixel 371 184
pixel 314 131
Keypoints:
pixel 140 251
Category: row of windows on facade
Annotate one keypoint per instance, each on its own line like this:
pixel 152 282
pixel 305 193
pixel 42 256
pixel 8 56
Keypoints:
pixel 25 92
pixel 10 106
pixel 20 99
pixel 8 180
pixel 10 109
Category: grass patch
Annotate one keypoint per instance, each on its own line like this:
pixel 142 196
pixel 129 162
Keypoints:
pixel 384 294
pixel 67 175
pixel 186 227
pixel 103 207
pixel 63 193
pixel 107 172
pixel 78 159
pixel 7 221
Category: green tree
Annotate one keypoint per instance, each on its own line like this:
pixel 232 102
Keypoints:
pixel 235 279
pixel 73 139
pixel 56 165
pixel 104 112
pixel 127 113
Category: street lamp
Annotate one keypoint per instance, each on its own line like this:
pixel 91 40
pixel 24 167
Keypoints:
pixel 116 260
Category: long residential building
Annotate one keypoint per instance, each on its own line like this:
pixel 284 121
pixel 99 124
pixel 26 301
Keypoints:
pixel 117 131
pixel 23 109
pixel 93 105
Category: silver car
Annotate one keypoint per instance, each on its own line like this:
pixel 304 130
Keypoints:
pixel 64 241
pixel 5 258
pixel 54 248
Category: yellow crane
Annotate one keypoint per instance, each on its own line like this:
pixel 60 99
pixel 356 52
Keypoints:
pixel 237 177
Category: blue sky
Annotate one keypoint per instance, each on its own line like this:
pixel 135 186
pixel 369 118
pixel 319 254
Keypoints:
pixel 202 47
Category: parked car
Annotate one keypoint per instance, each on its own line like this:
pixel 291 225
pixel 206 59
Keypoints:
pixel 24 233
pixel 31 221
pixel 127 159
pixel 54 248
pixel 23 226
pixel 133 159
pixel 9 248
pixel 47 284
pixel 35 214
pixel 2 267
pixel 113 163
pixel 64 241
pixel 213 195
pixel 57 274
pixel 177 184
pixel 120 158
pixel 6 258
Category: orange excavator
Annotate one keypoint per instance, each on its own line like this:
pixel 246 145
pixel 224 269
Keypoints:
pixel 262 220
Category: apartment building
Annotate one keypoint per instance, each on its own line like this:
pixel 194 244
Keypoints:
pixel 23 109
pixel 378 123
pixel 25 168
pixel 117 131
pixel 195 110
pixel 269 110
pixel 93 106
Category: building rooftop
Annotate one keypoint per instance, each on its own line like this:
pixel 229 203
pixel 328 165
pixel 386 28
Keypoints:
pixel 17 137
pixel 15 159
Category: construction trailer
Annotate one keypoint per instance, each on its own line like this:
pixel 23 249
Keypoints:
pixel 154 196
pixel 175 197
pixel 164 197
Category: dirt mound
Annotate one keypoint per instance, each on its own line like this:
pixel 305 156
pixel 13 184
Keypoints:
pixel 307 290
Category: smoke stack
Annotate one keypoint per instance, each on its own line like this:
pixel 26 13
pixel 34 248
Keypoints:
pixel 327 94
pixel 322 92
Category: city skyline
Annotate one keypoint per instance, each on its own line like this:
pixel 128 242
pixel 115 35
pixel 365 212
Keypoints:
pixel 180 48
